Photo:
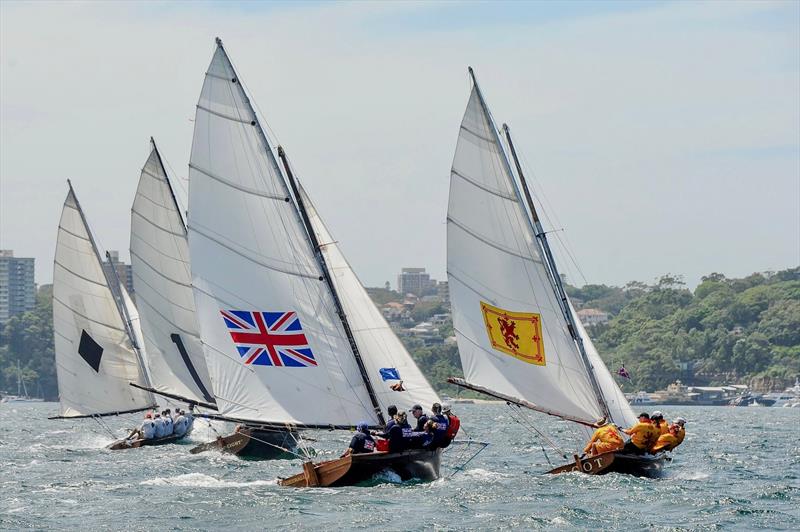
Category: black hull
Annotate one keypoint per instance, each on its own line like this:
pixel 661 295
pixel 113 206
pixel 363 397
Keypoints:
pixel 646 465
pixel 415 463
pixel 269 444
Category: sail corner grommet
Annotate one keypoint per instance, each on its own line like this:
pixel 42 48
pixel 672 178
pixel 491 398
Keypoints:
pixel 233 80
pixel 252 122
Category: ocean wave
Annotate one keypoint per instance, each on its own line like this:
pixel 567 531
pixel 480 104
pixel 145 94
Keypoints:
pixel 201 480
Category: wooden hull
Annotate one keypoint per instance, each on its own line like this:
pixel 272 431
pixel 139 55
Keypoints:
pixel 135 444
pixel 250 442
pixel 413 463
pixel 646 465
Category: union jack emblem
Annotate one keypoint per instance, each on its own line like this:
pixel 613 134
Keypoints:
pixel 269 338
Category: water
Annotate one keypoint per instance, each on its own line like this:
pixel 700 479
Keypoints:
pixel 739 468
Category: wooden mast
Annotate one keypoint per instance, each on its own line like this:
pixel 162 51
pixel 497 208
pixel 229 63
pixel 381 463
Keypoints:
pixel 557 283
pixel 329 281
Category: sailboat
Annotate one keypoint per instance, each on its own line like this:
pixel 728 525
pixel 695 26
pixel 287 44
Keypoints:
pixel 291 339
pixel 96 330
pixel 159 251
pixel 518 335
pixel 22 391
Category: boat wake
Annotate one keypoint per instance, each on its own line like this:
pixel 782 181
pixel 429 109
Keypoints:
pixel 200 480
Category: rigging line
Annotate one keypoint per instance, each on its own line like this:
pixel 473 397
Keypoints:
pixel 566 244
pixel 520 418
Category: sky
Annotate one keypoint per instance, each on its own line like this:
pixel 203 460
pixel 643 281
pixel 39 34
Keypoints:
pixel 659 137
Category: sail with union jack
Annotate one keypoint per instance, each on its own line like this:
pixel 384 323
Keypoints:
pixel 269 338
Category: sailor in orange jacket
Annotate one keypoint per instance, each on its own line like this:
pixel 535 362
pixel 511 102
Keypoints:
pixel 666 442
pixel 605 439
pixel 643 435
pixel 659 422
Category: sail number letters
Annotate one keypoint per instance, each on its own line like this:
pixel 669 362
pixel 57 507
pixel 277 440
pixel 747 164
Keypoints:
pixel 518 334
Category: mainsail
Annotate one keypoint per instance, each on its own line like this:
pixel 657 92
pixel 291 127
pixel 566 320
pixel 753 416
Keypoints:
pixel 511 328
pixel 95 358
pixel 276 348
pixel 379 346
pixel 160 265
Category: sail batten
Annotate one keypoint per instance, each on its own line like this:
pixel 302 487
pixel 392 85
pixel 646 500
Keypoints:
pixel 95 354
pixel 254 273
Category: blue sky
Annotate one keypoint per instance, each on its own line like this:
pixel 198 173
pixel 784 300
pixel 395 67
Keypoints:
pixel 665 136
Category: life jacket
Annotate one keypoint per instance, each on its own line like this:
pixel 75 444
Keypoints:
pixel 680 436
pixel 452 426
pixel 608 434
pixel 666 442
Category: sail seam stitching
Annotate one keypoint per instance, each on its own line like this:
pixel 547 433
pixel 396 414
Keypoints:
pixel 483 187
pixel 142 216
pixel 158 272
pixel 242 188
pixel 154 176
pixel 90 319
pixel 489 242
pixel 252 259
pixel 79 276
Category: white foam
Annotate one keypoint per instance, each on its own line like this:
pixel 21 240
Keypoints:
pixel 484 474
pixel 201 480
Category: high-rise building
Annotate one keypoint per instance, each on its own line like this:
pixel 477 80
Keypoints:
pixel 17 285
pixel 415 281
pixel 123 271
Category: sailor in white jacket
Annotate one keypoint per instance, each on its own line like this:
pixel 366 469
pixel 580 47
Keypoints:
pixel 159 423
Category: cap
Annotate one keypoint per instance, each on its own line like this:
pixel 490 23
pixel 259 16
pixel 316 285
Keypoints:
pixel 416 407
pixel 362 426
pixel 149 415
pixel 446 407
pixel 644 414
pixel 680 421
pixel 657 413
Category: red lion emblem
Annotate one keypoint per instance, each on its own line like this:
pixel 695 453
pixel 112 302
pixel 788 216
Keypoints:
pixel 507 328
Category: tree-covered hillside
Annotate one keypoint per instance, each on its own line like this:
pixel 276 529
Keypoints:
pixel 728 330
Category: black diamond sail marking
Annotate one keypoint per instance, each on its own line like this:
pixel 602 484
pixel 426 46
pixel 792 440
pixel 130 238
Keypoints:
pixel 90 351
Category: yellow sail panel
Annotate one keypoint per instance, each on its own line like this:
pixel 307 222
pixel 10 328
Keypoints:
pixel 518 334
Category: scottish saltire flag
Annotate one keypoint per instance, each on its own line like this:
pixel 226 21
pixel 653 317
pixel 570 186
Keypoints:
pixel 622 372
pixel 269 338
pixel 390 374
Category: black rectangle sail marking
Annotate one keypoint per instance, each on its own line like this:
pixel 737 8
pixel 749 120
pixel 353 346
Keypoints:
pixel 90 351
pixel 176 338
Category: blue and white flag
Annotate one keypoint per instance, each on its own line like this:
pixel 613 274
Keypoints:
pixel 390 374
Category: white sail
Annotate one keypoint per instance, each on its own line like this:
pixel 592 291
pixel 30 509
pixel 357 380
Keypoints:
pixel 160 265
pixel 255 277
pixel 618 406
pixel 95 361
pixel 496 271
pixel 379 347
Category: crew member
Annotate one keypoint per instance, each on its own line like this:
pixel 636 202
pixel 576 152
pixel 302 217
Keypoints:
pixel 159 423
pixel 440 432
pixel 605 439
pixel 421 418
pixel 643 436
pixel 391 410
pixel 396 436
pixel 179 426
pixel 361 442
pixel 659 422
pixel 453 424
pixel 681 430
pixel 146 430
pixel 168 422
pixel 666 442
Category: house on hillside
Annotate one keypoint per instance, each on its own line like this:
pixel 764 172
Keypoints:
pixel 592 316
